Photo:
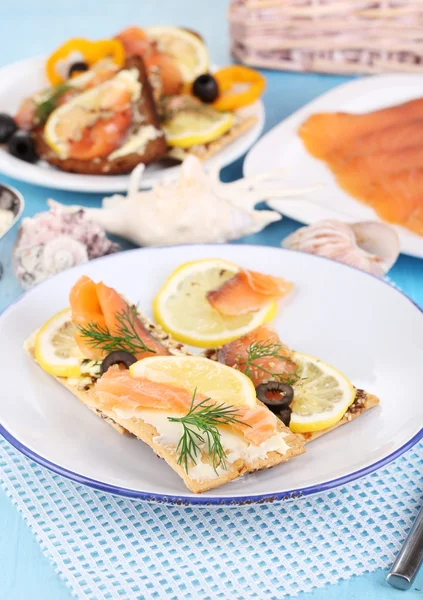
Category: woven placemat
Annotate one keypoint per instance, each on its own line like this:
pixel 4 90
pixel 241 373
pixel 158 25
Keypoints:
pixel 106 547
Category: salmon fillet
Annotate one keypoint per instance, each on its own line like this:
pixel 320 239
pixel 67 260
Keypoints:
pixel 398 198
pixel 247 291
pixel 390 139
pixel 235 354
pixel 99 305
pixel 376 157
pixel 359 172
pixel 322 133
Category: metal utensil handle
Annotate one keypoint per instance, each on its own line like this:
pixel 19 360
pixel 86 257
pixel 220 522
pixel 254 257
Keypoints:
pixel 409 558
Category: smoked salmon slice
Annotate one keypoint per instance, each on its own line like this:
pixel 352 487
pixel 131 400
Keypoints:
pixel 277 362
pixel 86 308
pixel 128 396
pixel 356 174
pixel 117 388
pixel 376 157
pixel 247 291
pixel 398 198
pixel 390 139
pixel 98 304
pixel 322 133
pixel 260 424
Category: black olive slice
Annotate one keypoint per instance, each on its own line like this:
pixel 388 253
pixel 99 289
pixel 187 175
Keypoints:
pixel 285 416
pixel 118 357
pixel 77 67
pixel 275 404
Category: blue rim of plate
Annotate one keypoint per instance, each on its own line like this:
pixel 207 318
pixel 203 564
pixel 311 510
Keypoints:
pixel 199 500
pixel 209 501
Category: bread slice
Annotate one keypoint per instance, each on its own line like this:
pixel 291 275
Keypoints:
pixel 145 114
pixel 148 433
pixel 206 151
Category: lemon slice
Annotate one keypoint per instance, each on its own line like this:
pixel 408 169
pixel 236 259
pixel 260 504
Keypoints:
pixel 55 348
pixel 322 395
pixel 182 309
pixel 198 125
pixel 209 378
pixel 188 50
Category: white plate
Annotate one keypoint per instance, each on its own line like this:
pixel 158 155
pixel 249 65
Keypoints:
pixel 282 148
pixel 26 77
pixel 334 315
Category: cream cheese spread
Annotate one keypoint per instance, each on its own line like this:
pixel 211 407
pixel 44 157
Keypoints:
pixel 235 444
pixel 137 142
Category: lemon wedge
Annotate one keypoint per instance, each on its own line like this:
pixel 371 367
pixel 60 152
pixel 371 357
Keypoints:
pixel 182 309
pixel 198 125
pixel 187 49
pixel 322 395
pixel 209 378
pixel 55 348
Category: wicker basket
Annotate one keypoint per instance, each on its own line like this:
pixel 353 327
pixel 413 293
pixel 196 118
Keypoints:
pixel 329 36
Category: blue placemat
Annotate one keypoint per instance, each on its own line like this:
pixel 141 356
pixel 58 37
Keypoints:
pixel 108 547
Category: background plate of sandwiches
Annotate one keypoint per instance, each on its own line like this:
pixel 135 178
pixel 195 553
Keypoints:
pixel 361 325
pixel 110 174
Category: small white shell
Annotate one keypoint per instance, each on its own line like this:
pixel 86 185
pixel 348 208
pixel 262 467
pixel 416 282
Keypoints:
pixel 62 253
pixel 370 246
pixel 37 263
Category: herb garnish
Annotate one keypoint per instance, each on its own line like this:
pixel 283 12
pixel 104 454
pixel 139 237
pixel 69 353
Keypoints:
pixel 200 426
pixel 267 349
pixel 125 338
pixel 50 103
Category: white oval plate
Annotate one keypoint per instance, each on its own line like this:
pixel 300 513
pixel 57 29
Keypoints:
pixel 26 77
pixel 282 148
pixel 335 315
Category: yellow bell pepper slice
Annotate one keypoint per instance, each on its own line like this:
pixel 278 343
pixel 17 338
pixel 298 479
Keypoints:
pixel 91 53
pixel 236 74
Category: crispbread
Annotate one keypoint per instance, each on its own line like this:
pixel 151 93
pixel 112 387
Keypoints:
pixel 205 151
pixel 147 432
pixel 145 113
pixel 363 402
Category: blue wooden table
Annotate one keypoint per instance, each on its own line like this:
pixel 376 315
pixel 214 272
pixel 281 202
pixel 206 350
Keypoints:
pixel 29 28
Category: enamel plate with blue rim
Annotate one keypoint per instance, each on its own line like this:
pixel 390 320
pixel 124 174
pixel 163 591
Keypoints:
pixel 359 324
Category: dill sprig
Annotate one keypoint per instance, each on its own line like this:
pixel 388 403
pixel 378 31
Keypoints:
pixel 200 427
pixel 268 349
pixel 125 338
pixel 47 106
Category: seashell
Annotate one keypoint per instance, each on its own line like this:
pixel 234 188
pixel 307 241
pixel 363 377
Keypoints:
pixel 54 240
pixel 62 253
pixel 197 208
pixel 37 263
pixel 370 245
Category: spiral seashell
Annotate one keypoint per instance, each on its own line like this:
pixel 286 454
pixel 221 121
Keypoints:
pixel 370 245
pixel 62 253
pixel 197 208
pixel 54 240
pixel 37 263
